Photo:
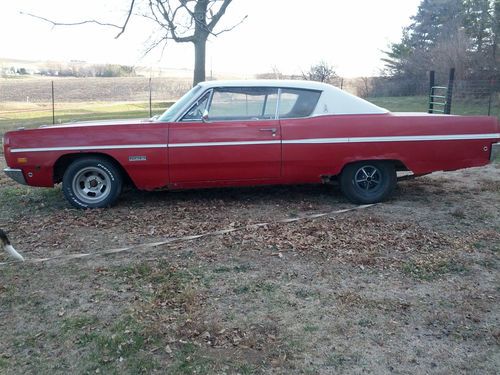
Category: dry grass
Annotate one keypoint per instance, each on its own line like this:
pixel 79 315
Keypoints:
pixel 81 90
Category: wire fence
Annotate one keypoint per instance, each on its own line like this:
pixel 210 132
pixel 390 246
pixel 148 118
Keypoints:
pixel 468 97
pixel 29 102
pixel 476 97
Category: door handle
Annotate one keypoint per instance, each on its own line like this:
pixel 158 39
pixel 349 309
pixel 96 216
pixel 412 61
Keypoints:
pixel 272 130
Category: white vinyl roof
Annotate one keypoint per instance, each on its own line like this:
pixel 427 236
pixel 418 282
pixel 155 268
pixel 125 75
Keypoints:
pixel 332 101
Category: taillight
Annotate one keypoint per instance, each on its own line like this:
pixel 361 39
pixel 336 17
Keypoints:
pixel 5 140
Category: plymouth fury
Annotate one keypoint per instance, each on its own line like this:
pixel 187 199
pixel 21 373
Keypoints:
pixel 244 133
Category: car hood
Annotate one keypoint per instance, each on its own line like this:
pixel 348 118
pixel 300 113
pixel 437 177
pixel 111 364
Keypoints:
pixel 98 123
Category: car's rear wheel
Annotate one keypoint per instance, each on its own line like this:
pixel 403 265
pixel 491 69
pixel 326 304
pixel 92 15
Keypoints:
pixel 368 181
pixel 92 183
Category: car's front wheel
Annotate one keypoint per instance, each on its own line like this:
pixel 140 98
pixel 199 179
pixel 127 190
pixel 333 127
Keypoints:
pixel 368 182
pixel 92 183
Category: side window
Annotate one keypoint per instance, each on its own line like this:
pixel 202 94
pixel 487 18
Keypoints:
pixel 287 100
pixel 270 106
pixel 297 103
pixel 243 103
pixel 196 111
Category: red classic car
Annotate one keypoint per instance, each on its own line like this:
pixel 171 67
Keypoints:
pixel 242 133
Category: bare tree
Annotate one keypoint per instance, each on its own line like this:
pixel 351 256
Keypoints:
pixel 363 86
pixel 321 72
pixel 183 21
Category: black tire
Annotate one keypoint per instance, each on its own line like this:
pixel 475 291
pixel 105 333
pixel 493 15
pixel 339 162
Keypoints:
pixel 92 182
pixel 368 181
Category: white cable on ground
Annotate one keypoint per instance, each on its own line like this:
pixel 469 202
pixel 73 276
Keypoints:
pixel 186 238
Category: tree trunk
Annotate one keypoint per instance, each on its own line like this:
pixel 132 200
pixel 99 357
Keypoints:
pixel 200 40
pixel 496 32
pixel 199 61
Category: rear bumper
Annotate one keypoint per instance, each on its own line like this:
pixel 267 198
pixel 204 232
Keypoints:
pixel 16 175
pixel 495 151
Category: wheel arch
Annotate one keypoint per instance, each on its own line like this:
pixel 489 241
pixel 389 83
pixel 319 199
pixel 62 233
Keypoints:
pixel 64 161
pixel 399 165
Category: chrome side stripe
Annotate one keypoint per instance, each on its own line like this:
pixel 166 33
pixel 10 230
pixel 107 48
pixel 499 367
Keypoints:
pixel 210 144
pixel 87 148
pixel 316 141
pixel 173 145
pixel 411 138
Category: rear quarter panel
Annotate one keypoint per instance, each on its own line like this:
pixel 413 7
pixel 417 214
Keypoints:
pixel 331 142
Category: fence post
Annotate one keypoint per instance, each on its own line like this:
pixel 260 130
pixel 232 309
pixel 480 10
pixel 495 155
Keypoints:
pixel 150 104
pixel 492 86
pixel 432 81
pixel 53 106
pixel 449 96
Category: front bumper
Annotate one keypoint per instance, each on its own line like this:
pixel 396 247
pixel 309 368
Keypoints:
pixel 495 151
pixel 16 175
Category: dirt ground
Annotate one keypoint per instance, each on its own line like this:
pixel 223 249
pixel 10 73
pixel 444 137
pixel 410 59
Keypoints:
pixel 410 286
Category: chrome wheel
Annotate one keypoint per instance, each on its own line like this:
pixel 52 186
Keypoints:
pixel 92 182
pixel 92 185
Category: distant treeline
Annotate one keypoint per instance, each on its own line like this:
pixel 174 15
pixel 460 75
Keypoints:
pixel 444 34
pixel 72 70
pixel 106 70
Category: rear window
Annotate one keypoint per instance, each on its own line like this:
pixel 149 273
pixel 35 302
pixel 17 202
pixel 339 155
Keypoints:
pixel 297 103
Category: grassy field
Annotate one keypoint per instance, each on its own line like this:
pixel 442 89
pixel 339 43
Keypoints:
pixel 420 104
pixel 14 115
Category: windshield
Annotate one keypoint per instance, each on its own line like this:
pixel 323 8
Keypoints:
pixel 172 113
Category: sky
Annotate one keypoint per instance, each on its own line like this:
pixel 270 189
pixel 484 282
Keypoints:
pixel 289 35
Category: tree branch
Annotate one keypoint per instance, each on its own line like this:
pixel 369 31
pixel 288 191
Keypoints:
pixel 126 20
pixel 122 27
pixel 156 44
pixel 70 23
pixel 219 14
pixel 203 25
pixel 169 16
pixel 231 28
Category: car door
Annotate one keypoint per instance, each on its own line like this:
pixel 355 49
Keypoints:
pixel 229 134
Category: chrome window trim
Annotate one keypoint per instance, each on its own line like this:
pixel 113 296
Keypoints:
pixel 278 105
pixel 180 110
pixel 212 90
pixel 193 103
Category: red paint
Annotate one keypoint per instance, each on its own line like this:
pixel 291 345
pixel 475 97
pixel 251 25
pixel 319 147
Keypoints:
pixel 239 165
pixel 228 162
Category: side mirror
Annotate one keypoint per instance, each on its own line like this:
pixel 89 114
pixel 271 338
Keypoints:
pixel 204 116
